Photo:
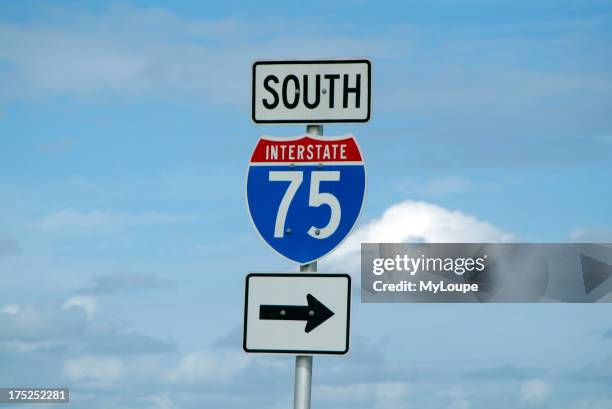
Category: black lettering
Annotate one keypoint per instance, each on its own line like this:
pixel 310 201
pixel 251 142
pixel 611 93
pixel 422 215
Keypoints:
pixel 296 96
pixel 331 78
pixel 317 92
pixel 356 90
pixel 272 91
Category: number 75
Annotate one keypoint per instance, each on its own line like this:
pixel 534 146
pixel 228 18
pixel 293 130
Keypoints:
pixel 315 199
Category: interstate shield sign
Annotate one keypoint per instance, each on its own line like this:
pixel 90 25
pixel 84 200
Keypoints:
pixel 305 193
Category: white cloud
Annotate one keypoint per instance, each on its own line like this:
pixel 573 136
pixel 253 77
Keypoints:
pixel 33 326
pixel 392 390
pixel 94 370
pixel 208 366
pixel 96 219
pixel 535 392
pixel 133 52
pixel 460 403
pixel 460 399
pixel 23 323
pixel 87 303
pixel 11 309
pixel 426 222
pixel 73 326
pixel 161 402
pixel 584 234
pixel 411 221
pixel 142 52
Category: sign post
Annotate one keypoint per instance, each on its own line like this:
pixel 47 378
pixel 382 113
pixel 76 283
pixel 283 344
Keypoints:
pixel 304 195
pixel 301 313
pixel 303 382
pixel 297 313
pixel 303 363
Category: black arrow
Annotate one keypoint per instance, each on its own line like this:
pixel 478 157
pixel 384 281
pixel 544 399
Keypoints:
pixel 315 313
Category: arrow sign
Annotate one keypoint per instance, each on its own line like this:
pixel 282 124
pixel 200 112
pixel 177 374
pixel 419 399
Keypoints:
pixel 275 301
pixel 315 313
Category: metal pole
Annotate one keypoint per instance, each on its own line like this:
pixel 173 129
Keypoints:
pixel 314 130
pixel 303 363
pixel 303 382
pixel 303 366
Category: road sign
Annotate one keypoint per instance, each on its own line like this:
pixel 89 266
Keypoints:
pixel 311 91
pixel 297 313
pixel 305 193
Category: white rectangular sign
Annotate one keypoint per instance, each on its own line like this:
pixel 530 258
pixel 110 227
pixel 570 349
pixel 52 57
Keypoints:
pixel 311 91
pixel 297 313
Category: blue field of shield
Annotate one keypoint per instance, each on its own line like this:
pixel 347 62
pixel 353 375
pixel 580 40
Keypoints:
pixel 264 197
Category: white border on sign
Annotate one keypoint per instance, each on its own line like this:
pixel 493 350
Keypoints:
pixel 312 61
pixel 300 274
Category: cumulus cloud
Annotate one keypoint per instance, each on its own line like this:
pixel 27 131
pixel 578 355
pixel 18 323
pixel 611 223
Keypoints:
pixel 535 392
pixel 96 219
pixel 161 402
pixel 429 223
pixel 75 326
pixel 11 309
pixel 94 371
pixel 87 303
pixel 584 234
pixel 459 399
pixel 25 323
pixel 420 222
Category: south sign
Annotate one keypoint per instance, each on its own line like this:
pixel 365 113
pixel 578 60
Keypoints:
pixel 311 91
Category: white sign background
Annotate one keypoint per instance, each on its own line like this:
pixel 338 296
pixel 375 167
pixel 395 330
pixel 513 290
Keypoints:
pixel 284 336
pixel 322 113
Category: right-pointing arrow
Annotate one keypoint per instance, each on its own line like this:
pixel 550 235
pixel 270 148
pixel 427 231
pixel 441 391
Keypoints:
pixel 315 313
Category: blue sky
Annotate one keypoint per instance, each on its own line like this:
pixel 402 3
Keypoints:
pixel 124 236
